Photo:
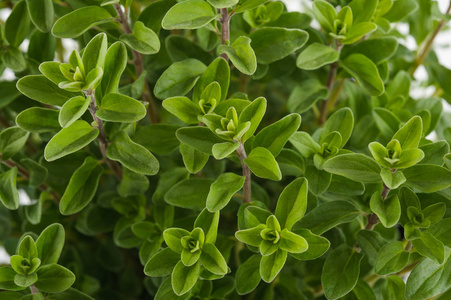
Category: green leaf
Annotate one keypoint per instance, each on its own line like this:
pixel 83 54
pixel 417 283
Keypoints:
pixel 218 71
pixel 315 56
pixel 54 278
pixel 252 236
pixel 39 88
pixel 190 14
pixel 8 192
pixel 132 155
pixel 12 140
pixel 401 9
pixel 428 178
pixel 365 72
pixel 208 222
pixel 370 242
pixel 342 263
pixel 292 242
pixel 25 280
pixel 120 108
pixel 429 246
pixel 70 140
pixel 271 265
pixel 115 63
pixel 328 215
pixel 17 26
pixel 248 5
pixel 428 278
pixel 183 108
pixel 179 78
pixel 193 159
pixel 82 187
pixel 248 275
pixel 305 144
pixel 342 121
pixel 253 113
pixel 371 48
pixel 213 260
pixel 392 180
pixel 241 54
pixel 95 52
pixel 72 110
pixel 319 180
pixel 42 14
pixel 200 138
pixel 358 31
pixel 132 184
pixel 14 59
pixel 274 43
pixel 79 21
pixel 275 136
pixel 387 122
pixel 441 231
pixel 225 149
pixel 325 14
pixel 50 244
pixel 163 139
pixel 263 164
pixel 223 3
pixel 357 167
pixel 173 237
pixel 184 278
pixel 7 280
pixel 388 210
pixel 305 95
pixel 162 263
pixel 392 258
pixel 292 203
pixel 317 245
pixel 27 248
pixel 143 40
pixel 409 135
pixel 222 190
pixel 38 173
pixel 189 193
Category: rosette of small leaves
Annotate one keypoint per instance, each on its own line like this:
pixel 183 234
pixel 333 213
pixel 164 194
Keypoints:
pixel 190 255
pixel 400 153
pixel 35 265
pixel 341 26
pixel 273 236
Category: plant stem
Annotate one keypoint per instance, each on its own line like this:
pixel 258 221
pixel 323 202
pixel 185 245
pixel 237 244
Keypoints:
pixel 34 290
pixel 139 65
pixel 225 28
pixel 429 42
pixel 102 135
pixel 246 173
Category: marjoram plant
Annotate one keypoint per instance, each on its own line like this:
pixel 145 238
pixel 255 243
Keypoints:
pixel 161 146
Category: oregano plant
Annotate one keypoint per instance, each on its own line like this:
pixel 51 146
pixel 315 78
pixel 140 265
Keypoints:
pixel 224 149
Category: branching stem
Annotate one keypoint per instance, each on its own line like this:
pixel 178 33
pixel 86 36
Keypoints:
pixel 246 173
